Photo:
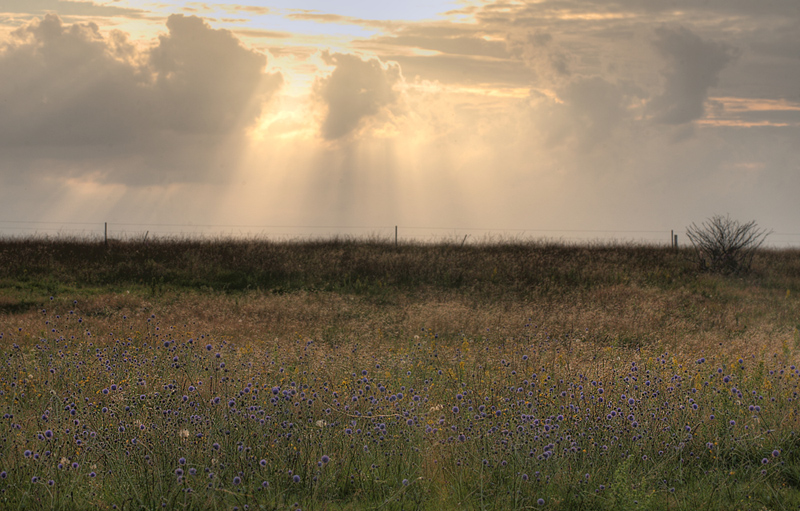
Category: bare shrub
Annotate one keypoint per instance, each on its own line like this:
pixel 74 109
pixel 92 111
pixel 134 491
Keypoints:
pixel 724 245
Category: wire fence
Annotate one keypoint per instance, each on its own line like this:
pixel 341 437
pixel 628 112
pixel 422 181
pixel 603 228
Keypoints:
pixel 391 233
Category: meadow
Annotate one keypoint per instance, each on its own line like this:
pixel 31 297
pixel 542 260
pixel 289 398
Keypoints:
pixel 356 374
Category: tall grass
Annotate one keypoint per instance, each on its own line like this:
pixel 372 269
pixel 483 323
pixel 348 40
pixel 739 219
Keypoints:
pixel 344 375
pixel 513 269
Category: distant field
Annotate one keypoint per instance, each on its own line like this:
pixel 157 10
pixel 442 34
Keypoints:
pixel 355 375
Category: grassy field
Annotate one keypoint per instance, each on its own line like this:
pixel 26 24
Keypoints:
pixel 359 375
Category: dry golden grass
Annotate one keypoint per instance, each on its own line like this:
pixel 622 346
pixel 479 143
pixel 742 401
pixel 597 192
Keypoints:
pixel 749 320
pixel 376 296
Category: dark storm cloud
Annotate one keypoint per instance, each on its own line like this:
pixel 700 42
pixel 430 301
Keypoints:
pixel 70 94
pixel 357 89
pixel 693 66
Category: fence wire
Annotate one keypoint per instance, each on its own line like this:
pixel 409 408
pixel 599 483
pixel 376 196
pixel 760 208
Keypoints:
pixel 403 233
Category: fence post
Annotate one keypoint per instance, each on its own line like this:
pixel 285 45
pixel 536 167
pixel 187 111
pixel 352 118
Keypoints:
pixel 105 234
pixel 676 242
pixel 395 236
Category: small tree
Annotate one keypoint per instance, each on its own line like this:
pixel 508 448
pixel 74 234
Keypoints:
pixel 723 245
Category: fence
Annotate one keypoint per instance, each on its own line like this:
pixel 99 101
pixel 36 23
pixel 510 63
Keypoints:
pixel 104 231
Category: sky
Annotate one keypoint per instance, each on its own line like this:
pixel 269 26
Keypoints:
pixel 555 119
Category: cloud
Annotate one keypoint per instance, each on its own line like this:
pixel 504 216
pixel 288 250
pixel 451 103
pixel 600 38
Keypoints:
pixel 266 34
pixel 72 97
pixel 598 105
pixel 450 53
pixel 762 9
pixel 356 90
pixel 307 15
pixel 461 45
pixel 261 11
pixel 591 110
pixel 66 85
pixel 539 52
pixel 66 8
pixel 465 69
pixel 207 80
pixel 693 66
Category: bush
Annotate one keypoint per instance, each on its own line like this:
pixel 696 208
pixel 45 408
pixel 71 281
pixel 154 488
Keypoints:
pixel 723 245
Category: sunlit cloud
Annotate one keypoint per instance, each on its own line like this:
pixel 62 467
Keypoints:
pixel 86 101
pixel 511 114
pixel 355 91
pixel 751 113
